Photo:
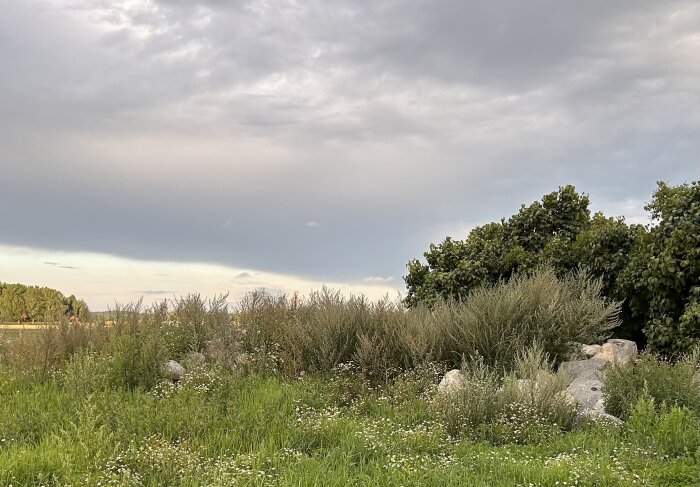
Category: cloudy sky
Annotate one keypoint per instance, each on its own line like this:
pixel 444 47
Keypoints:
pixel 151 148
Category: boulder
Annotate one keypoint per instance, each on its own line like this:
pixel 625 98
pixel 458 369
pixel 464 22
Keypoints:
pixel 453 381
pixel 599 417
pixel 173 371
pixel 618 352
pixel 585 369
pixel 589 351
pixel 586 392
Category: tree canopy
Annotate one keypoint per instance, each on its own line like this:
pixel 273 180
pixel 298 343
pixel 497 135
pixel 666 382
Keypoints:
pixel 33 303
pixel 655 271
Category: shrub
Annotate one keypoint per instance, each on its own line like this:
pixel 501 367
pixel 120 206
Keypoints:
pixel 671 384
pixel 497 321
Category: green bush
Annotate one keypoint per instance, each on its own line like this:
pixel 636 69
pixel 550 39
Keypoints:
pixel 672 384
pixel 383 338
pixel 497 321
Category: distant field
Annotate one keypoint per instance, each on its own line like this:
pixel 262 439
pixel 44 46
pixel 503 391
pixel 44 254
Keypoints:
pixel 12 331
pixel 21 326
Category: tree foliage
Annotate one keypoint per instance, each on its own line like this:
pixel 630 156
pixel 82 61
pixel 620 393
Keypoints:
pixel 655 271
pixel 662 280
pixel 558 230
pixel 33 303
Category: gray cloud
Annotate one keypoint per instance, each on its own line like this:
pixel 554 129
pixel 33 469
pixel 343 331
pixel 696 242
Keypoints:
pixel 212 131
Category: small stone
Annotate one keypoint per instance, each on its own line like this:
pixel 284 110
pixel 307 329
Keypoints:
pixel 174 371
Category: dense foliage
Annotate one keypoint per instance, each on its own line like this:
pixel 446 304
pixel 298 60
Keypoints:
pixel 654 271
pixel 33 303
pixel 662 279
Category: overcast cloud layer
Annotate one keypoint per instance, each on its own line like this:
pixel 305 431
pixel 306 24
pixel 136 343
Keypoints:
pixel 331 139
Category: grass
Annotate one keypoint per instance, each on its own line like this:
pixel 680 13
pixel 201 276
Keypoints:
pixel 219 428
pixel 331 392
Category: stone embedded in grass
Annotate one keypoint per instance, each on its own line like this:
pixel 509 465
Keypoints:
pixel 618 352
pixel 453 381
pixel 585 369
pixel 174 371
pixel 597 416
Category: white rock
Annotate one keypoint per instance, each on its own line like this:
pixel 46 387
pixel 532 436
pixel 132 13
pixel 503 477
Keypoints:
pixel 618 352
pixel 453 381
pixel 599 417
pixel 174 371
pixel 599 405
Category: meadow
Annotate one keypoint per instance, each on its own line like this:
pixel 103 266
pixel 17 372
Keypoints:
pixel 329 391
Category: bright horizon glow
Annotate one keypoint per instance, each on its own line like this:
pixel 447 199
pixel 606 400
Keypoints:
pixel 103 280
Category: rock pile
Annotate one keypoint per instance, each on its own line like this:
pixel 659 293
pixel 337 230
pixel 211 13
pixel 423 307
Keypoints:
pixel 586 377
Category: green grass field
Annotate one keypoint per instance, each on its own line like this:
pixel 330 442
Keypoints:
pixel 13 333
pixel 222 429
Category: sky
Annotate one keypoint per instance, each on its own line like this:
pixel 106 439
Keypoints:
pixel 155 148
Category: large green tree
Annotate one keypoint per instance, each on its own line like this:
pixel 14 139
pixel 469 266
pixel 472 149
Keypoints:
pixel 557 230
pixel 654 271
pixel 545 231
pixel 662 280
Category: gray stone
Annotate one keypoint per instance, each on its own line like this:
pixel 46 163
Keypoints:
pixel 174 371
pixel 453 381
pixel 599 405
pixel 586 392
pixel 585 369
pixel 618 352
pixel 589 351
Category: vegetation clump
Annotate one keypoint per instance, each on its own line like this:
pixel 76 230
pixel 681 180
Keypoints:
pixel 654 271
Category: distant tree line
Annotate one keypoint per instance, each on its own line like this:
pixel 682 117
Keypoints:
pixel 653 270
pixel 34 303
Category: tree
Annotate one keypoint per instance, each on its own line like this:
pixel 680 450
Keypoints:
pixel 542 231
pixel 558 230
pixel 12 304
pixel 662 280
pixel 35 303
